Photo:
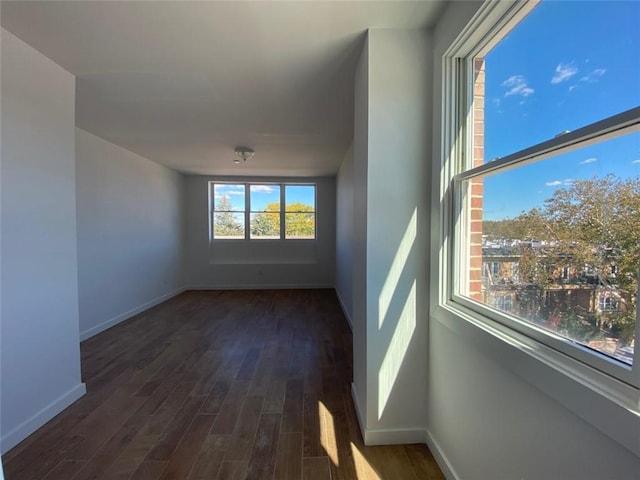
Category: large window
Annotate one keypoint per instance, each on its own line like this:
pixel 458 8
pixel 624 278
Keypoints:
pixel 229 210
pixel 255 211
pixel 543 161
pixel 300 211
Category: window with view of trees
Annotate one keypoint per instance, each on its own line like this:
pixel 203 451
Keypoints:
pixel 254 211
pixel 300 214
pixel 229 211
pixel 547 182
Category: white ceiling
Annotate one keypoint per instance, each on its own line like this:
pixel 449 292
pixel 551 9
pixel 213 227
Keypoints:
pixel 182 83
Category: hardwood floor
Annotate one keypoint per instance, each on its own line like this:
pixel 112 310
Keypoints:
pixel 218 385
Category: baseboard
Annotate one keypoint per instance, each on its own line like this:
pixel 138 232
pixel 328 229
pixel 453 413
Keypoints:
pixel 394 436
pixel 126 315
pixel 296 286
pixel 26 428
pixel 345 311
pixel 441 458
pixel 385 436
pixel 356 404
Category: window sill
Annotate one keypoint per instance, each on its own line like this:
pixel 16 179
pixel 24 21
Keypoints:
pixel 607 404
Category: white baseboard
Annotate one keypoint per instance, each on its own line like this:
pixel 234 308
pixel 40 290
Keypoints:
pixel 394 436
pixel 296 286
pixel 385 436
pixel 356 404
pixel 345 311
pixel 26 428
pixel 126 315
pixel 441 458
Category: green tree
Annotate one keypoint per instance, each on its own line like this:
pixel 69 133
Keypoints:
pixel 597 225
pixel 591 227
pixel 267 222
pixel 227 223
pixel 300 221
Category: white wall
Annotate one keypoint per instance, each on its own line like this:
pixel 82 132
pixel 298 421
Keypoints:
pixel 252 264
pixel 391 400
pixel 129 233
pixel 344 234
pixel 487 418
pixel 40 345
pixel 359 234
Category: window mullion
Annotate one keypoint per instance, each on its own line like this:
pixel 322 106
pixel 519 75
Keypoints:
pixel 282 211
pixel 247 211
pixel 614 126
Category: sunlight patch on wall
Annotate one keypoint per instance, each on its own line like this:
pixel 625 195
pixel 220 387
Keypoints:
pixel 399 261
pixel 397 350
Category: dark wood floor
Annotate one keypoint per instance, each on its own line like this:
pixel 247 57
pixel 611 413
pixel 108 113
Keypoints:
pixel 218 385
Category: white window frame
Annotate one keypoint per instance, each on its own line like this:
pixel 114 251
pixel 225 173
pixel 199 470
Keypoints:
pixel 502 301
pixel 212 211
pixel 248 210
pixel 608 303
pixel 252 212
pixel 588 378
pixel 284 211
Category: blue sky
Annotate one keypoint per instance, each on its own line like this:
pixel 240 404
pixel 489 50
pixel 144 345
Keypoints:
pixel 567 64
pixel 264 194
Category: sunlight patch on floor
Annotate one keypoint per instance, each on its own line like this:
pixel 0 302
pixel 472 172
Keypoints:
pixel 363 467
pixel 328 433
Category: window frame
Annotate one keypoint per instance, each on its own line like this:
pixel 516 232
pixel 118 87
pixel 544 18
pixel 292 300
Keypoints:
pixel 213 211
pixel 248 210
pixel 605 379
pixel 285 211
pixel 251 211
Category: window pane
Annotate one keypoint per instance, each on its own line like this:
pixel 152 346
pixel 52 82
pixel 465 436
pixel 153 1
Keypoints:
pixel 265 225
pixel 535 85
pixel 229 197
pixel 300 225
pixel 265 198
pixel 300 198
pixel 228 225
pixel 555 243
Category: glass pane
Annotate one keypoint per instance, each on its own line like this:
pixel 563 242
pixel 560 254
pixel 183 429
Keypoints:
pixel 300 198
pixel 228 225
pixel 265 198
pixel 265 225
pixel 229 197
pixel 300 225
pixel 533 86
pixel 555 243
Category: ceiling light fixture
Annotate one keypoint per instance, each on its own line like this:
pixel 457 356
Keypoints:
pixel 244 154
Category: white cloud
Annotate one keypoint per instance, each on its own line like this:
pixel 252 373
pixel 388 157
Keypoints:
pixel 517 85
pixel 594 75
pixel 564 71
pixel 636 161
pixel 555 183
pixel 228 190
pixel 588 160
pixel 262 188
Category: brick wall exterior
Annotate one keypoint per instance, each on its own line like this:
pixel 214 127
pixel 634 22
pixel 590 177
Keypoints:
pixel 477 187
